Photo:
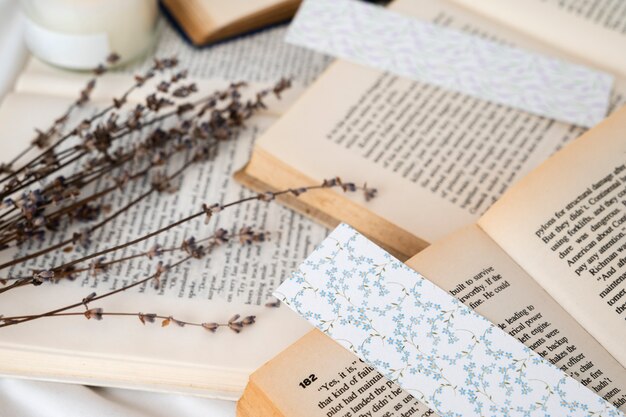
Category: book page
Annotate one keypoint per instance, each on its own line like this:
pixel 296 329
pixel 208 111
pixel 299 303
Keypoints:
pixel 262 57
pixel 234 278
pixel 610 14
pixel 565 225
pixel 427 150
pixel 590 31
pixel 486 279
pixel 318 377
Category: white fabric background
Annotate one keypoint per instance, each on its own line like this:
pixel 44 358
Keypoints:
pixel 21 398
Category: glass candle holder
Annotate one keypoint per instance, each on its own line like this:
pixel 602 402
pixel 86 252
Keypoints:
pixel 80 34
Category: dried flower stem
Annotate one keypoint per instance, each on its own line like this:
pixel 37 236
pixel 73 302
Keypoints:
pixel 207 211
pixel 220 236
pixel 7 321
pixel 95 227
pixel 144 318
pixel 84 97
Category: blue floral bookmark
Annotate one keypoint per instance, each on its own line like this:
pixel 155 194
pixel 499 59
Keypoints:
pixel 437 349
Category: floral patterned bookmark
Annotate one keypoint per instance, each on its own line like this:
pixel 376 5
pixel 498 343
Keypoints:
pixel 443 353
pixel 422 51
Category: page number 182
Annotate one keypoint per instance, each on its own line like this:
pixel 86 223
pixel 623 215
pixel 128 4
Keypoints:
pixel 308 381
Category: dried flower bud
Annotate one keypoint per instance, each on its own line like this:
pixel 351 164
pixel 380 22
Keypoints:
pixel 154 251
pixel 185 90
pixel 42 276
pixel 266 196
pixel 166 322
pixel 212 327
pixel 297 191
pixel 249 320
pixel 273 304
pixel 282 85
pixel 155 103
pixel 331 182
pixel 94 313
pixel 87 299
pixel 348 187
pixel 184 108
pixel 164 63
pixel 113 58
pixel 189 245
pixel 163 86
pixel 208 212
pixel 97 266
pixel 369 193
pixel 234 318
pixel 161 269
pixel 99 70
pixel 221 236
pixel 149 317
pixel 6 168
pixel 161 182
pixel 235 327
pixel 122 179
pixel 119 102
pixel 179 76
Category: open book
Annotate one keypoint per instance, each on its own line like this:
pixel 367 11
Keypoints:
pixel 438 158
pixel 206 21
pixel 234 279
pixel 546 263
pixel 318 377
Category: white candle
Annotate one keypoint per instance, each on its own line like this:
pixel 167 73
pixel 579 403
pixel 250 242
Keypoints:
pixel 79 34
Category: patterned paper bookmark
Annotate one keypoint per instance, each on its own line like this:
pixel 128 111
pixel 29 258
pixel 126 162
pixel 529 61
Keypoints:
pixel 437 349
pixel 379 38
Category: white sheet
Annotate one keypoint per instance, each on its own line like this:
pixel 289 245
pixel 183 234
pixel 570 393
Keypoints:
pixel 20 398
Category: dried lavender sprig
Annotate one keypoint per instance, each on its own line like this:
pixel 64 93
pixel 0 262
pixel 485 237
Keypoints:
pixel 207 211
pixel 42 138
pixel 133 123
pixel 233 112
pixel 236 325
pixel 193 253
pixel 246 235
pixel 83 302
pixel 7 237
pixel 83 236
pixel 159 65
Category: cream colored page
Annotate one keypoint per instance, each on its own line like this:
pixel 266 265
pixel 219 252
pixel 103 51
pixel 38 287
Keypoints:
pixel 610 14
pixel 565 224
pixel 574 34
pixel 438 158
pixel 317 377
pixel 474 269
